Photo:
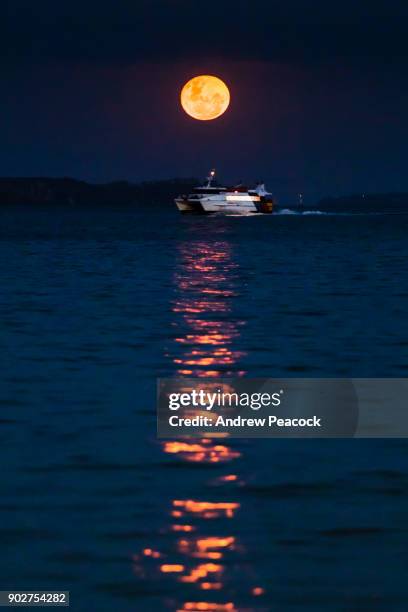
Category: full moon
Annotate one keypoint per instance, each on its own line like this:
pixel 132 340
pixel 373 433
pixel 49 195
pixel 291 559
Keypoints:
pixel 205 97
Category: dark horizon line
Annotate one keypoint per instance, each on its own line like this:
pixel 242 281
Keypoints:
pixel 161 181
pixel 39 177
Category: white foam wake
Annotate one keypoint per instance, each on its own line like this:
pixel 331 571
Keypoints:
pixel 289 211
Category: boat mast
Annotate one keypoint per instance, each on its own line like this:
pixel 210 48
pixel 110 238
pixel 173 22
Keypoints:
pixel 210 178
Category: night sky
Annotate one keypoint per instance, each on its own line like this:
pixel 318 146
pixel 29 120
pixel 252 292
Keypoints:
pixel 319 92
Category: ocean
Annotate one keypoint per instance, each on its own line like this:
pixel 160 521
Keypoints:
pixel 96 304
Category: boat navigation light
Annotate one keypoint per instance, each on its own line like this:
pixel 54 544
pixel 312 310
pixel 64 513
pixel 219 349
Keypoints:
pixel 210 177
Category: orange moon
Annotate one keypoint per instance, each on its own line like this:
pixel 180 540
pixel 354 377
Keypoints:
pixel 205 97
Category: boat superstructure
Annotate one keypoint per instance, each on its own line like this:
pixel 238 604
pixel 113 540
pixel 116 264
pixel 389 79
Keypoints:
pixel 210 198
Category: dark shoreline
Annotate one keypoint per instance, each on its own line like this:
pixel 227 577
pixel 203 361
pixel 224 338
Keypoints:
pixel 59 191
pixel 63 191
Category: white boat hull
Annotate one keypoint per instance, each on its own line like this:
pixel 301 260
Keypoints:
pixel 226 203
pixel 184 206
pixel 237 200
pixel 213 205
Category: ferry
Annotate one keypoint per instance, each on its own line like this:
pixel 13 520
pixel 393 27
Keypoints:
pixel 233 200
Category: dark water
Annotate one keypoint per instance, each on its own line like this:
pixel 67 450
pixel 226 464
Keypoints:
pixel 94 307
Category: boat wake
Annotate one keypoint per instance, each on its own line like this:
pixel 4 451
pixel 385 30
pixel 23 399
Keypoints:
pixel 335 213
pixel 307 213
pixel 289 211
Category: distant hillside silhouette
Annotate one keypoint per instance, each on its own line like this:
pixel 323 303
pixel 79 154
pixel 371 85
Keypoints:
pixel 63 191
pixel 70 191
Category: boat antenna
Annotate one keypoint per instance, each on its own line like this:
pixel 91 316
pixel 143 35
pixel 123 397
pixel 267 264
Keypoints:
pixel 210 177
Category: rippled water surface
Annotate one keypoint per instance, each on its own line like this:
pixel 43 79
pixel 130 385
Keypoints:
pixel 95 305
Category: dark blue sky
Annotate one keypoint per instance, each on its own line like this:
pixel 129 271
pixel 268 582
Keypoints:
pixel 319 92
